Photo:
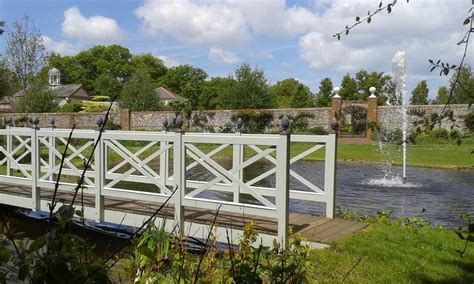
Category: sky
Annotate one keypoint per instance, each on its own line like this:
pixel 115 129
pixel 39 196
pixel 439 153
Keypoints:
pixel 287 39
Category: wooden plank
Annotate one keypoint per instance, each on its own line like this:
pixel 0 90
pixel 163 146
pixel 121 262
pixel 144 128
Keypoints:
pixel 321 227
pixel 313 224
pixel 335 229
pixel 354 227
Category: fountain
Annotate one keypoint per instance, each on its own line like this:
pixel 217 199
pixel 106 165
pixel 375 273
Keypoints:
pixel 386 146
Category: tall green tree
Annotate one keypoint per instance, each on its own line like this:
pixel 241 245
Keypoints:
pixel 215 91
pixel 153 65
pixel 348 88
pixel 25 52
pixel 5 88
pixel 381 81
pixel 138 93
pixel 38 98
pixel 463 92
pixel 419 95
pixel 186 81
pixel 291 93
pixel 251 90
pixel 442 96
pixel 323 98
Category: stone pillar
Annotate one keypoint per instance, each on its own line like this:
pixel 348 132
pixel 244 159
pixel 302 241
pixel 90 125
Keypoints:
pixel 125 119
pixel 72 120
pixel 336 106
pixel 371 112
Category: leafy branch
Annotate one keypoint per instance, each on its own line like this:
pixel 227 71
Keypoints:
pixel 368 18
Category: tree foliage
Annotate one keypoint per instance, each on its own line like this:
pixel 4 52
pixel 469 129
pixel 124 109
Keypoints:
pixel 348 88
pixel 138 94
pixel 215 91
pixel 463 92
pixel 5 88
pixel 290 93
pixel 250 91
pixel 37 98
pixel 323 98
pixel 442 96
pixel 420 94
pixel 25 52
pixel 186 81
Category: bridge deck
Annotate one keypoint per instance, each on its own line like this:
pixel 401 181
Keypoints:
pixel 314 228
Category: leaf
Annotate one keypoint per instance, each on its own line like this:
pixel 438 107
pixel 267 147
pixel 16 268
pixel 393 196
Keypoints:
pixel 380 4
pixel 357 18
pixel 347 31
pixel 470 238
pixel 146 251
pixel 369 20
pixel 439 60
pixel 466 21
pixel 430 61
pixel 389 8
pixel 37 244
pixel 432 68
pixel 338 37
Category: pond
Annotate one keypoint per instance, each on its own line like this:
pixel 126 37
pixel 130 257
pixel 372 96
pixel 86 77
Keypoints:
pixel 444 194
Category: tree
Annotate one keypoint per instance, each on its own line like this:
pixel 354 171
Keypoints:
pixel 37 98
pixel 2 27
pixel 154 66
pixel 138 94
pixel 323 98
pixel 250 90
pixel 5 89
pixel 442 97
pixel 463 92
pixel 105 85
pixel 291 93
pixel 381 81
pixel 186 81
pixel 215 92
pixel 25 52
pixel 420 94
pixel 348 88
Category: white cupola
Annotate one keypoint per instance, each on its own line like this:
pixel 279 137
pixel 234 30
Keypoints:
pixel 54 77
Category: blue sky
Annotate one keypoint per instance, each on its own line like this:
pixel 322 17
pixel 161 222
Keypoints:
pixel 287 39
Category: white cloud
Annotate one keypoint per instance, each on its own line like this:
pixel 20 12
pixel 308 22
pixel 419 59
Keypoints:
pixel 426 30
pixel 93 30
pixel 221 56
pixel 169 61
pixel 275 19
pixel 62 47
pixel 260 54
pixel 198 22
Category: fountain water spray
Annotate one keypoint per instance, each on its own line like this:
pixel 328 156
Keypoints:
pixel 400 79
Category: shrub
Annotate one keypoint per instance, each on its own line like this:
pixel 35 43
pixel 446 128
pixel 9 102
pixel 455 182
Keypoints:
pixel 254 121
pixel 71 107
pixel 38 98
pixel 318 130
pixel 101 98
pixel 94 107
pixel 469 121
pixel 440 133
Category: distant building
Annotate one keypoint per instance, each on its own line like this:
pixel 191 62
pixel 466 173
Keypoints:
pixel 64 93
pixel 165 95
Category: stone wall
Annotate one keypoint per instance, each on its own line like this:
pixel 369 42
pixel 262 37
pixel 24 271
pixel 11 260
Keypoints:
pixel 387 116
pixel 390 116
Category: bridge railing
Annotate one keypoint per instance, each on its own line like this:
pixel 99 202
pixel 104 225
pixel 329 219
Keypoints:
pixel 159 162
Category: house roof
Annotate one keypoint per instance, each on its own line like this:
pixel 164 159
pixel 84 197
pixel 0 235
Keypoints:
pixel 60 91
pixel 165 94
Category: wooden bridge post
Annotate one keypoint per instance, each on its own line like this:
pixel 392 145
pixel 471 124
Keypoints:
pixel 282 183
pixel 164 157
pixel 35 165
pixel 9 147
pixel 179 168
pixel 99 178
pixel 330 175
pixel 51 154
pixel 237 159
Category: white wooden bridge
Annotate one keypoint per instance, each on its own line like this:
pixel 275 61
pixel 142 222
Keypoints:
pixel 134 172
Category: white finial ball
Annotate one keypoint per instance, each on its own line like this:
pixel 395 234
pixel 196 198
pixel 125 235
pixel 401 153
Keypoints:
pixel 372 90
pixel 336 92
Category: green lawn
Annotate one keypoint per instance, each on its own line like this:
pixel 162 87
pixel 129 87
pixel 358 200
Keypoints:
pixel 390 253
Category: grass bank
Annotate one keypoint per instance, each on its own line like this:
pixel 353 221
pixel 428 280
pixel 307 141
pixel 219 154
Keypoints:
pixel 386 252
